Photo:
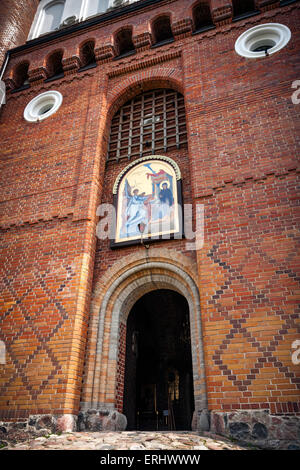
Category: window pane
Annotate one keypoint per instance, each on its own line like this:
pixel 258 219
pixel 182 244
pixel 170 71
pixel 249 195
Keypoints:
pixel 72 9
pixel 102 5
pixel 52 17
pixel 96 6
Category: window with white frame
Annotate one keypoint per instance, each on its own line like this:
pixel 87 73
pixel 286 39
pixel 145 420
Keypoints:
pixel 52 15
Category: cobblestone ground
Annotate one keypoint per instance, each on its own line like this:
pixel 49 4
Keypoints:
pixel 136 440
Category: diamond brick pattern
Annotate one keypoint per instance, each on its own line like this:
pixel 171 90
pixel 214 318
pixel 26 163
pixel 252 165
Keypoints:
pixel 33 317
pixel 239 162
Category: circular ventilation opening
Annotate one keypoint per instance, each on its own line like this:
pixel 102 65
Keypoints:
pixel 263 46
pixel 43 106
pixel 262 40
pixel 45 109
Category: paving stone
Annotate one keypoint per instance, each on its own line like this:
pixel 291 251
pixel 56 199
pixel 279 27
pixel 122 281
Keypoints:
pixel 137 447
pixel 128 440
pixel 213 447
pixel 105 447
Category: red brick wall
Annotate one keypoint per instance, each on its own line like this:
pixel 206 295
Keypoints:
pixel 249 294
pixel 47 247
pixel 240 165
pixel 16 18
pixel 38 285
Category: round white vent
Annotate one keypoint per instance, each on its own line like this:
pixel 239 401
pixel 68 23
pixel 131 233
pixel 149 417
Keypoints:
pixel 262 40
pixel 43 106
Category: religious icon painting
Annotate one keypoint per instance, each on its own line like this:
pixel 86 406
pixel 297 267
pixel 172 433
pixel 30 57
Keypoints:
pixel 148 201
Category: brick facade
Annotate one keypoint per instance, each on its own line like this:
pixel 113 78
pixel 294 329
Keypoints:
pixel 240 163
pixel 15 21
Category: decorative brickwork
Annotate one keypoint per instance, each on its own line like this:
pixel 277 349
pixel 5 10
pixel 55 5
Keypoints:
pixel 182 28
pixel 71 64
pixel 251 327
pixel 9 83
pixel 142 41
pixel 221 11
pixel 105 53
pixel 265 5
pixel 37 75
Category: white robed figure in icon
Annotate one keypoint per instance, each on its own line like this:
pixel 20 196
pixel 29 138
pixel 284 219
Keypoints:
pixel 136 212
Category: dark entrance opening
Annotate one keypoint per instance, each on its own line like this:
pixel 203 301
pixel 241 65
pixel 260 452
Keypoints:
pixel 158 387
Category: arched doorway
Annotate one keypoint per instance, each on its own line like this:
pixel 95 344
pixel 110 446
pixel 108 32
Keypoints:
pixel 114 299
pixel 158 382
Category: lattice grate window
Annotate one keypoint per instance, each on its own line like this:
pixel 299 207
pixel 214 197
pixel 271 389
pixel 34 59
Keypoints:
pixel 151 122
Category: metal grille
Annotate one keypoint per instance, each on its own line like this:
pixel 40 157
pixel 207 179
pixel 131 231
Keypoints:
pixel 149 123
